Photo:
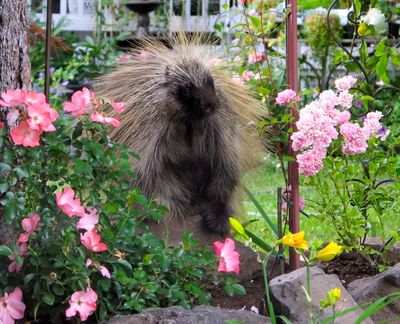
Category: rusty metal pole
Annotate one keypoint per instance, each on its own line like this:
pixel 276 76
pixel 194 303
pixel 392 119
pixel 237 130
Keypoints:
pixel 293 83
pixel 47 50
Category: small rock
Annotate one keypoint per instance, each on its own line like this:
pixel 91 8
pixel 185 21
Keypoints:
pixel 369 289
pixel 289 298
pixel 198 315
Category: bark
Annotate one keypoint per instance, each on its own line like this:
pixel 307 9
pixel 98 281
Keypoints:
pixel 14 60
pixel 15 68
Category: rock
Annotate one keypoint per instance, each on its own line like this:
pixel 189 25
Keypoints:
pixel 393 250
pixel 198 315
pixel 369 289
pixel 172 232
pixel 289 298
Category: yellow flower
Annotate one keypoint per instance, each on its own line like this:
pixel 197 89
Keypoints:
pixel 364 29
pixel 295 240
pixel 235 224
pixel 329 252
pixel 332 297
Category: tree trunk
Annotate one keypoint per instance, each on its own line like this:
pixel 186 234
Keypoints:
pixel 15 68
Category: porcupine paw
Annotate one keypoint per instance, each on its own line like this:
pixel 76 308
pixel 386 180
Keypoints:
pixel 216 222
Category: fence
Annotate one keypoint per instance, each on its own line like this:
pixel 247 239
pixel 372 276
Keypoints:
pixel 190 15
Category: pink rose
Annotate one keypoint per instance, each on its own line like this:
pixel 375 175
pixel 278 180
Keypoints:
pixel 345 83
pixel 11 307
pixel 228 257
pixel 23 135
pixel 29 224
pixel 81 102
pixel 83 303
pixel 23 248
pixel 286 97
pixel 88 221
pixel 12 98
pixel 91 240
pixel 97 117
pixel 70 206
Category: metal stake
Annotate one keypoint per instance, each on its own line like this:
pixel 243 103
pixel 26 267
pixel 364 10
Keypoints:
pixel 47 50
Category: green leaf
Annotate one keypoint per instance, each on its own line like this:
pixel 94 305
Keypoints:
pixel 357 7
pixel 395 56
pixel 380 48
pixel 271 224
pixel 377 306
pixel 255 21
pixel 3 187
pixel 381 69
pixel 233 322
pixel 5 250
pixel 125 264
pixel 10 212
pixel 5 167
pixel 28 278
pixel 48 298
pixel 21 173
pixel 363 51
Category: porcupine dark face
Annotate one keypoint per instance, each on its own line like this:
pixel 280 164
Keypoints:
pixel 195 97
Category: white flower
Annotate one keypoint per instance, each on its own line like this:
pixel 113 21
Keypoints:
pixel 376 18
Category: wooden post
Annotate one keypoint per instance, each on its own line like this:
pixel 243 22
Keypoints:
pixel 292 78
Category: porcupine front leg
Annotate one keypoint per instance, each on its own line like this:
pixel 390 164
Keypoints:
pixel 217 206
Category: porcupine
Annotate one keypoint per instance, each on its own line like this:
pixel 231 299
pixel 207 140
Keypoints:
pixel 189 121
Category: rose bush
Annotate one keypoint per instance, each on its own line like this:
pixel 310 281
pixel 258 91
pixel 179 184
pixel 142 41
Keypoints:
pixel 78 244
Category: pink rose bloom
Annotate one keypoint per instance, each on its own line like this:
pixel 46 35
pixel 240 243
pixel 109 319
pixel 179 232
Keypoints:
pixel 104 272
pixel 328 99
pixel 23 248
pixel 70 206
pixel 83 303
pixel 346 99
pixel 345 83
pixel 310 162
pixel 11 307
pixel 1 125
pixel 355 139
pixel 253 58
pixel 99 118
pixel 42 117
pixel 286 97
pixel 299 141
pixel 12 117
pixel 33 98
pixel 88 221
pixel 372 123
pixel 247 75
pixel 23 135
pixel 81 101
pixel 29 224
pixel 118 106
pixel 228 257
pixel 13 98
pixel 343 117
pixel 91 240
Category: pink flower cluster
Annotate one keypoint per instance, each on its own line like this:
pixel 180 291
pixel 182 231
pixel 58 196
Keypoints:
pixel 30 225
pixel 83 302
pixel 318 123
pixel 11 307
pixel 38 118
pixel 228 257
pixel 286 97
pixel 72 207
pixel 85 102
